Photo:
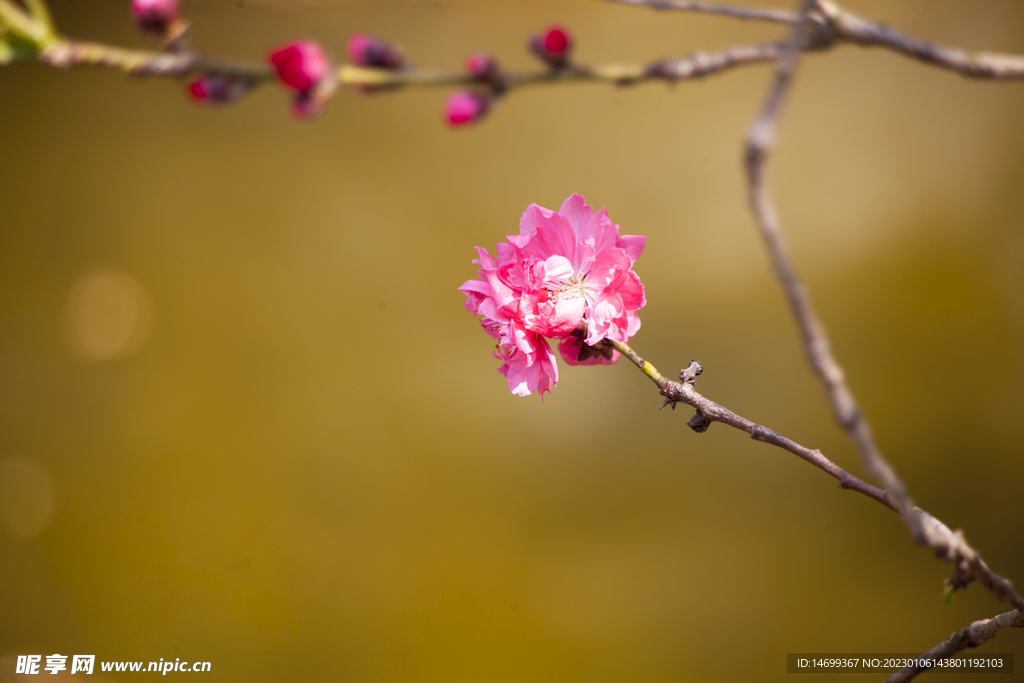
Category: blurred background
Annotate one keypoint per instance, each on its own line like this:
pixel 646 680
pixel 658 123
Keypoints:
pixel 244 417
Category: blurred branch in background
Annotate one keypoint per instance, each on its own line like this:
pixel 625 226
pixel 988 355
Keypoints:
pixel 27 32
pixel 778 16
pixel 830 24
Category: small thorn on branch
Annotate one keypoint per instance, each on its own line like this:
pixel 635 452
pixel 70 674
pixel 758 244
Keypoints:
pixel 668 402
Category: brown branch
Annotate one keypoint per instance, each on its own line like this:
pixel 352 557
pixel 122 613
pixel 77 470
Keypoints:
pixel 701 64
pixel 64 53
pixel 948 544
pixel 850 28
pixel 828 25
pixel 760 142
pixel 778 16
pixel 974 635
pixel 180 61
pixel 819 25
pixel 708 411
pixel 831 24
pixel 925 529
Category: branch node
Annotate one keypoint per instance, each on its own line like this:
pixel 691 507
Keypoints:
pixel 699 423
pixel 688 375
pixel 845 478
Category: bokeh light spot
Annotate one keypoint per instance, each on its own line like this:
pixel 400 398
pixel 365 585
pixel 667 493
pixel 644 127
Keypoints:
pixel 26 496
pixel 109 315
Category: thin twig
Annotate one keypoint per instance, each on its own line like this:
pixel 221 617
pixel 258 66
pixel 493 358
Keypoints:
pixel 778 16
pixel 18 21
pixel 760 142
pixel 831 24
pixel 850 28
pixel 71 53
pixel 66 54
pixel 708 411
pixel 972 636
pixel 41 12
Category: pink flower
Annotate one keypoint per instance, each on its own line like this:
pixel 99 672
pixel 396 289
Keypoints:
pixel 465 107
pixel 567 275
pixel 553 46
pixel 300 64
pixel 155 16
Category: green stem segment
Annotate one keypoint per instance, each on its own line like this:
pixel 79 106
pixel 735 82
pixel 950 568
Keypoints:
pixel 645 366
pixel 35 29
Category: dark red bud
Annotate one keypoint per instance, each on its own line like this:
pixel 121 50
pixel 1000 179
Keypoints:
pixel 155 16
pixel 300 65
pixel 217 89
pixel 374 53
pixel 483 67
pixel 553 46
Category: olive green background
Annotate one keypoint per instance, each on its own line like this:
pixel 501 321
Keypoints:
pixel 308 469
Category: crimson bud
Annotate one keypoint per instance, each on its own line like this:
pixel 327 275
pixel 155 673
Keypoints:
pixel 300 65
pixel 483 67
pixel 553 46
pixel 155 16
pixel 371 52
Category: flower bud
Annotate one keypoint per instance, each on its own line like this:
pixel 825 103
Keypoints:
pixel 466 107
pixel 217 89
pixel 371 52
pixel 300 64
pixel 156 16
pixel 483 67
pixel 553 46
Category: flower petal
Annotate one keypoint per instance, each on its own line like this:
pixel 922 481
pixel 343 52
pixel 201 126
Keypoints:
pixel 484 260
pixel 524 379
pixel 609 270
pixel 633 245
pixel 544 233
pixel 550 316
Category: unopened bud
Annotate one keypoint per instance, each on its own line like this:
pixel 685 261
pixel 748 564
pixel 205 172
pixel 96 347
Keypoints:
pixel 553 46
pixel 217 89
pixel 300 64
pixel 483 67
pixel 156 16
pixel 371 52
pixel 466 107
